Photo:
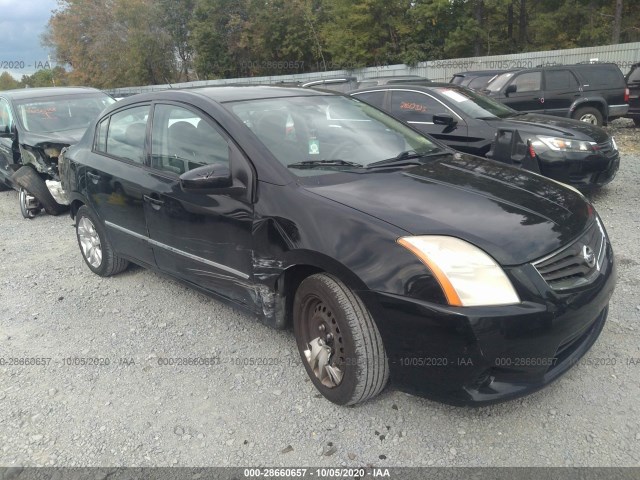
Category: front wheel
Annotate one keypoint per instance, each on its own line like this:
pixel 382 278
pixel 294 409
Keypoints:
pixel 96 249
pixel 340 345
pixel 29 205
pixel 588 115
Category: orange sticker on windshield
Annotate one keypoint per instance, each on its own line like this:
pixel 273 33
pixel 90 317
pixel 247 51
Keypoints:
pixel 415 107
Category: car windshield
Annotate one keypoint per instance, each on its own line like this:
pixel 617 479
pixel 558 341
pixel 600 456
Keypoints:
pixel 315 135
pixel 499 81
pixel 475 104
pixel 60 113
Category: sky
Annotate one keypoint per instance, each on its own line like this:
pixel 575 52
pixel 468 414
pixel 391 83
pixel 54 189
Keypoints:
pixel 22 22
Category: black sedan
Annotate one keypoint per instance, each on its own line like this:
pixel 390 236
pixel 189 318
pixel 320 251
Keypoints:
pixel 35 125
pixel 566 150
pixel 390 254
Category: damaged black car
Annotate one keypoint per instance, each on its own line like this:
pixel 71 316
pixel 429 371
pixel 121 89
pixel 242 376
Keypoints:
pixel 35 125
pixel 392 256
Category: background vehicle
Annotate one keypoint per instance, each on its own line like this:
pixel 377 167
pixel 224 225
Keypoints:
pixel 633 84
pixel 477 79
pixel 566 150
pixel 35 125
pixel 380 246
pixel 590 92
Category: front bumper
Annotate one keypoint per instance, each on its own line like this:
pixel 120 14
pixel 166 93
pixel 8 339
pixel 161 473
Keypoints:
pixel 484 355
pixel 580 169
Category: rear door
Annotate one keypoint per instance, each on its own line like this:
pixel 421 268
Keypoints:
pixel 115 178
pixel 204 238
pixel 561 89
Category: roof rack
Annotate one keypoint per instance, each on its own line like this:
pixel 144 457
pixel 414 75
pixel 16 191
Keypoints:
pixel 549 64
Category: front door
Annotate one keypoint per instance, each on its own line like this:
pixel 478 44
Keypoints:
pixel 528 96
pixel 205 238
pixel 418 108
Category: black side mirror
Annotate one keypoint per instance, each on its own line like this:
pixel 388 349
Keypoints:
pixel 444 119
pixel 511 89
pixel 206 178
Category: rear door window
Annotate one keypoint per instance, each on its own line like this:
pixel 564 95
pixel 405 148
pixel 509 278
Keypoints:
pixel 560 80
pixel 126 134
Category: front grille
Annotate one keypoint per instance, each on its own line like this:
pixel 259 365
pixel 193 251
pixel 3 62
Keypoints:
pixel 576 264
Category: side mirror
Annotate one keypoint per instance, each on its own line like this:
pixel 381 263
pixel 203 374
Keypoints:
pixel 206 179
pixel 444 119
pixel 511 89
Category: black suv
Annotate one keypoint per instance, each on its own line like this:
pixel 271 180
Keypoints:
pixel 633 84
pixel 590 92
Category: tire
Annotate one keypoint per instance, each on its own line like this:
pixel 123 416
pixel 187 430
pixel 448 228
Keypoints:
pixel 636 122
pixel 589 115
pixel 324 305
pixel 95 246
pixel 3 186
pixel 27 178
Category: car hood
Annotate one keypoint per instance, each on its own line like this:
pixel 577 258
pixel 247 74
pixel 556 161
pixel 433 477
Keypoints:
pixel 68 137
pixel 512 214
pixel 549 125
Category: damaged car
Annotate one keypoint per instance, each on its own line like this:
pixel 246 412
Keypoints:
pixel 35 125
pixel 392 256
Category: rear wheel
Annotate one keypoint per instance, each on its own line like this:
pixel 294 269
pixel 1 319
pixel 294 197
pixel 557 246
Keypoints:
pixel 588 115
pixel 28 179
pixel 340 345
pixel 96 249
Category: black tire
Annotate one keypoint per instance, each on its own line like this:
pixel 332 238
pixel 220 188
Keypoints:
pixel 636 122
pixel 588 115
pixel 3 186
pixel 27 178
pixel 110 263
pixel 323 301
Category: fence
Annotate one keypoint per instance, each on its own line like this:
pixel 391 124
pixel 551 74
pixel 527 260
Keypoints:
pixel 624 55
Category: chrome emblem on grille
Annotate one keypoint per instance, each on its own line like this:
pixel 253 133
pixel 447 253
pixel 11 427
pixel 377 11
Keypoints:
pixel 589 256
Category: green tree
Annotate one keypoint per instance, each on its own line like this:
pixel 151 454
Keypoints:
pixel 7 82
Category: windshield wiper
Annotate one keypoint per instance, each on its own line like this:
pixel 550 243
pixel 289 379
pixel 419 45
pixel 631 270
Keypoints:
pixel 408 157
pixel 324 163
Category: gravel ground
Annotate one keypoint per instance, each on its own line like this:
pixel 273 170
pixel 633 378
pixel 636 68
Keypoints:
pixel 134 412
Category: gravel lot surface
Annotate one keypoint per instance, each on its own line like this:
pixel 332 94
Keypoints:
pixel 134 412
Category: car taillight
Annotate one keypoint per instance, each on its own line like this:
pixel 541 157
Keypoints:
pixel 626 95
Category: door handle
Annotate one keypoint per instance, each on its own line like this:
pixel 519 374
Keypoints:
pixel 94 177
pixel 155 203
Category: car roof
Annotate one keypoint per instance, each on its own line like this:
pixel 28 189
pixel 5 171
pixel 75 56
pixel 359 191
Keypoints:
pixel 227 93
pixel 26 93
pixel 395 77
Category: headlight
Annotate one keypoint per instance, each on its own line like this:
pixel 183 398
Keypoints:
pixel 468 276
pixel 567 144
pixel 52 152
